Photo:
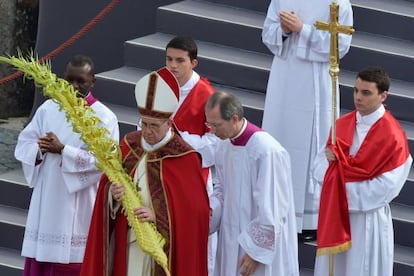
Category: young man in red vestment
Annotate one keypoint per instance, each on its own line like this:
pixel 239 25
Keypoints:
pixel 167 173
pixel 368 165
pixel 189 119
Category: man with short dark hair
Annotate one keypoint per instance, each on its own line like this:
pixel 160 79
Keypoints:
pixel 252 204
pixel 368 166
pixel 62 173
pixel 189 119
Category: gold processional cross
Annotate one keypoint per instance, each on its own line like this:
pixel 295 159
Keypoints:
pixel 334 28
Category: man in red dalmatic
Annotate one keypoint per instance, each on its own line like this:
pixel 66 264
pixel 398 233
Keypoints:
pixel 368 166
pixel 189 119
pixel 168 175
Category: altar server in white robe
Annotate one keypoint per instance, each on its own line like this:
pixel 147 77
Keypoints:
pixel 371 139
pixel 298 98
pixel 252 202
pixel 64 178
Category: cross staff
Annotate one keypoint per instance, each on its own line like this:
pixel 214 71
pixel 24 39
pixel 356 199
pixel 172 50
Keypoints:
pixel 334 28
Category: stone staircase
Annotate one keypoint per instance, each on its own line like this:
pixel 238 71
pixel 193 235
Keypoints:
pixel 233 58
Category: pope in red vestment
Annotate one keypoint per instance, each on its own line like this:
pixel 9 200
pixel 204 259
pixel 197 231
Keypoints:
pixel 181 205
pixel 176 189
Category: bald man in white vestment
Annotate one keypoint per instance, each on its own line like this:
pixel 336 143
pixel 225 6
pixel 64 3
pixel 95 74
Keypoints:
pixel 252 201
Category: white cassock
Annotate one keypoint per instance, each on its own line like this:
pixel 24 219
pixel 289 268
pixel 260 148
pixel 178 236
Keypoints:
pixel 299 95
pixel 64 185
pixel 372 251
pixel 253 207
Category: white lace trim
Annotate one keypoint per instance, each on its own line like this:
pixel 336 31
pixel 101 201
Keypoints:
pixel 81 164
pixel 261 237
pixel 55 239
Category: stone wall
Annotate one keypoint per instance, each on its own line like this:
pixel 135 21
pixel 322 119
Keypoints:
pixel 18 27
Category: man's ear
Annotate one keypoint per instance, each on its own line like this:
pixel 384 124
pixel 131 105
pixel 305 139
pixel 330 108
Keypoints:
pixel 194 62
pixel 93 81
pixel 235 118
pixel 384 96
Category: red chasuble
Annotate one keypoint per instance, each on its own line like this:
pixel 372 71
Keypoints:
pixel 180 203
pixel 372 159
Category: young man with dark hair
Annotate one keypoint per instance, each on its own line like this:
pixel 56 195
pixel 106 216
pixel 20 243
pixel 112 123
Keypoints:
pixel 189 119
pixel 368 166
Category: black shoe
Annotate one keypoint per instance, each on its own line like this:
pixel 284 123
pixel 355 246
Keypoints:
pixel 307 236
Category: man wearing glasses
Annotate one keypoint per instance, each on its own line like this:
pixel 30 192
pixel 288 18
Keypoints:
pixel 252 203
pixel 168 175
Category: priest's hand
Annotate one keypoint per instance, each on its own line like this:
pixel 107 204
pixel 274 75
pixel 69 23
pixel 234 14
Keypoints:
pixel 50 143
pixel 144 214
pixel 247 265
pixel 117 191
pixel 330 155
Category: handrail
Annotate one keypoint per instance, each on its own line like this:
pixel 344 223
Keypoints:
pixel 68 42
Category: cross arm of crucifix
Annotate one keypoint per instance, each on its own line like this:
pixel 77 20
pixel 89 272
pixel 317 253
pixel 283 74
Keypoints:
pixel 334 28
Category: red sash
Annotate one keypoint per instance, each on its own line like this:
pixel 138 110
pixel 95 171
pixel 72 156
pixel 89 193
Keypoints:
pixel 191 114
pixel 383 149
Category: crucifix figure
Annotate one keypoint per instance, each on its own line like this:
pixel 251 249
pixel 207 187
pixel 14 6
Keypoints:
pixel 334 28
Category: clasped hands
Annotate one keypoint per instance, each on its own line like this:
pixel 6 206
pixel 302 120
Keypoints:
pixel 50 143
pixel 143 213
pixel 290 22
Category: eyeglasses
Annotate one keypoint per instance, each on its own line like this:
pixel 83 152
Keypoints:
pixel 151 126
pixel 213 125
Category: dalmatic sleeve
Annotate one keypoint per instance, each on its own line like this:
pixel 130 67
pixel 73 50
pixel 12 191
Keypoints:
pixel 318 169
pixel 272 200
pixel 314 45
pixel 379 191
pixel 78 169
pixel 216 202
pixel 272 31
pixel 204 144
pixel 27 150
pixel 78 165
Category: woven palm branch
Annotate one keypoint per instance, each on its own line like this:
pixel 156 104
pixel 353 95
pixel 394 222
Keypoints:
pixel 106 150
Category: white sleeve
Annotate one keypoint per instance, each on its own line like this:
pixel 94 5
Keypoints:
pixel 272 198
pixel 272 31
pixel 374 193
pixel 216 201
pixel 205 145
pixel 314 45
pixel 78 169
pixel 27 149
pixel 78 165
